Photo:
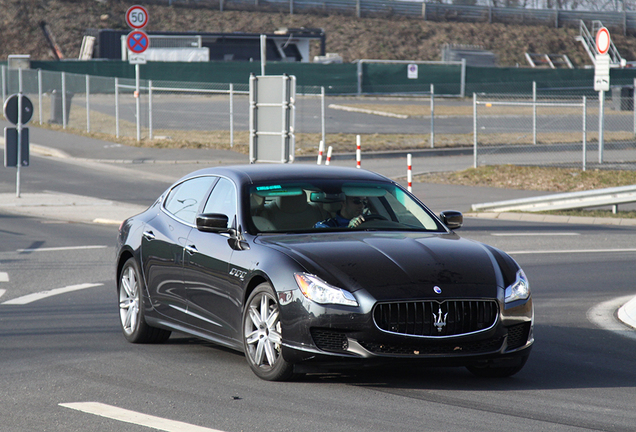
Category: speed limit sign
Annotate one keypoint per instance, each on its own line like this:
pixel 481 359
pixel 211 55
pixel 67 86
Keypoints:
pixel 137 17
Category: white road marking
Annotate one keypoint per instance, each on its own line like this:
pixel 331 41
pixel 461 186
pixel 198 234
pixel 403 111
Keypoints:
pixel 2 291
pixel 4 277
pixel 136 418
pixel 30 298
pixel 533 234
pixel 571 251
pixel 603 316
pixel 55 249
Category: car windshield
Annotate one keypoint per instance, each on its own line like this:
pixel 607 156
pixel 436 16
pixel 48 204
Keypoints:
pixel 314 206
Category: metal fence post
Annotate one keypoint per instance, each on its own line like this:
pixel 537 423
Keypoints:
pixel 88 103
pixel 634 105
pixel 231 115
pixel 4 83
pixel 534 112
pixel 601 120
pixel 359 77
pixel 64 119
pixel 117 107
pixel 40 95
pixel 322 115
pixel 584 132
pixel 149 109
pixel 462 84
pixel 432 115
pixel 474 130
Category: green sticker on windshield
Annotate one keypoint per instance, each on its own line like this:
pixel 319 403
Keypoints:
pixel 267 188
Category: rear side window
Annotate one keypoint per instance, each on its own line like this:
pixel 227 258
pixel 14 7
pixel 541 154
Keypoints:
pixel 184 200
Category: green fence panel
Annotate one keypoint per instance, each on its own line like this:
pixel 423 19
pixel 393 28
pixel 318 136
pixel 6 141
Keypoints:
pixel 343 78
pixel 336 78
pixel 393 78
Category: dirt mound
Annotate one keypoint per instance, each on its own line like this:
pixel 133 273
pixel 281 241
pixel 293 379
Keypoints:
pixel 391 38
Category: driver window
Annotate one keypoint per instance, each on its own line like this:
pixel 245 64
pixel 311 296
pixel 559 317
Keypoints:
pixel 222 199
pixel 184 200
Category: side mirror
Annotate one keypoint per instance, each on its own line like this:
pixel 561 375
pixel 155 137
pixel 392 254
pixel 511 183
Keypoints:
pixel 452 219
pixel 212 222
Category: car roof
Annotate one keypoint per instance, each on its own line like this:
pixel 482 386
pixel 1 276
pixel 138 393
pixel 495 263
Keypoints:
pixel 257 173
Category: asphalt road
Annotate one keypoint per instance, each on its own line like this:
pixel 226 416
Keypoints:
pixel 65 347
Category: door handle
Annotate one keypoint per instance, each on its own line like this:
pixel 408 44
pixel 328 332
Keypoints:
pixel 149 235
pixel 191 249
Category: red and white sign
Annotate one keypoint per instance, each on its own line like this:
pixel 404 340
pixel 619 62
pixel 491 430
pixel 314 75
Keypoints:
pixel 603 41
pixel 137 41
pixel 137 17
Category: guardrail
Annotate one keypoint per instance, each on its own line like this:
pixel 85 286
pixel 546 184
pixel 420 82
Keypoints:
pixel 623 21
pixel 565 201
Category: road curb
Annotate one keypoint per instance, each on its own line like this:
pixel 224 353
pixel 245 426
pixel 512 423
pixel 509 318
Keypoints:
pixel 627 313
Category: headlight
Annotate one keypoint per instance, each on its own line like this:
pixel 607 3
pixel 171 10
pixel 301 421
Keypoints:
pixel 319 291
pixel 520 290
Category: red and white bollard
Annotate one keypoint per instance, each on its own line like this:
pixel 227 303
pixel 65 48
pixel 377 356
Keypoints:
pixel 329 150
pixel 321 149
pixel 358 152
pixel 409 170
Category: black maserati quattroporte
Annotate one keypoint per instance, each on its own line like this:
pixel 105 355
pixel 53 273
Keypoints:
pixel 300 266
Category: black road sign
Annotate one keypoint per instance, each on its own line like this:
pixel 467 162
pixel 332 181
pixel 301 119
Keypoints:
pixel 11 147
pixel 11 109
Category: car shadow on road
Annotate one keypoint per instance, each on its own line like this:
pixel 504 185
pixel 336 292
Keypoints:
pixel 561 358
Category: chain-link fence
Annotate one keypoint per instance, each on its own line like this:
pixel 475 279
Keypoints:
pixel 201 113
pixel 549 127
pixel 530 126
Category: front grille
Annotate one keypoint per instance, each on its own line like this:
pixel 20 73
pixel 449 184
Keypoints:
pixel 479 347
pixel 518 335
pixel 330 340
pixel 436 319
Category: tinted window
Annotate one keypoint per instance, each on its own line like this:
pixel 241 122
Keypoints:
pixel 184 200
pixel 222 199
pixel 331 204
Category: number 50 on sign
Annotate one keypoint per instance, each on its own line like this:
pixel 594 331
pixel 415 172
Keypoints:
pixel 137 17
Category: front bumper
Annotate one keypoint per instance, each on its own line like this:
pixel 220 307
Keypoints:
pixel 337 334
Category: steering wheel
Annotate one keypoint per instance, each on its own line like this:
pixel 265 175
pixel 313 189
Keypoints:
pixel 373 217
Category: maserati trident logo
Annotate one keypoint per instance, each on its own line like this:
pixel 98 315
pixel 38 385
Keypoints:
pixel 437 289
pixel 440 319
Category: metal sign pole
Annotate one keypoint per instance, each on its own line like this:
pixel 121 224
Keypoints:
pixel 138 102
pixel 19 129
pixel 584 132
pixel 601 118
pixel 263 53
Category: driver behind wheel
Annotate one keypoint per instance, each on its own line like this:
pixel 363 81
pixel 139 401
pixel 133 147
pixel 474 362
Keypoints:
pixel 349 215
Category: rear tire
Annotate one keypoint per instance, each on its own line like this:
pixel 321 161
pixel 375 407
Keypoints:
pixel 131 311
pixel 262 336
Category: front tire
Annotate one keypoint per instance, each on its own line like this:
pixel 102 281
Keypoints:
pixel 131 311
pixel 262 336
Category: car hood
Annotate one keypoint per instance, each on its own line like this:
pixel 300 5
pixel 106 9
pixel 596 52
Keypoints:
pixel 393 266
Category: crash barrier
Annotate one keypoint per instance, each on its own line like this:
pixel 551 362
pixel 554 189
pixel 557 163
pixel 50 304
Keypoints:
pixel 432 11
pixel 563 201
pixel 555 129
